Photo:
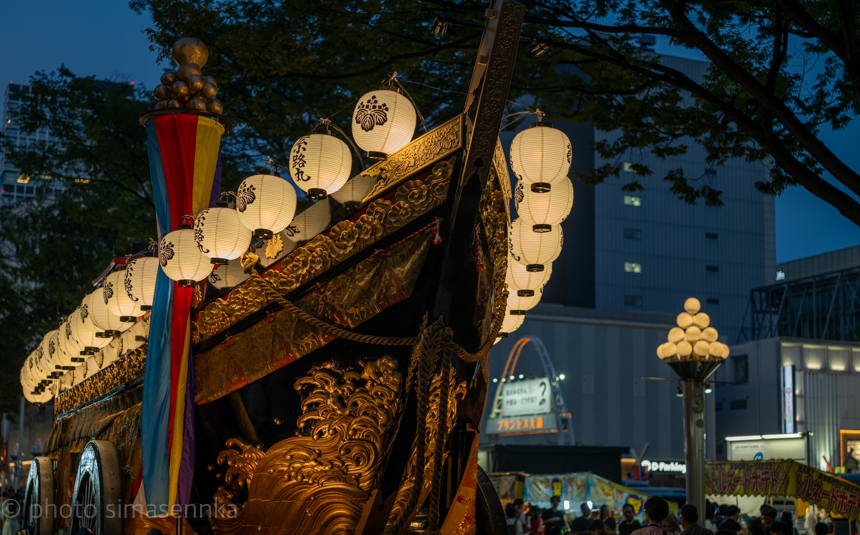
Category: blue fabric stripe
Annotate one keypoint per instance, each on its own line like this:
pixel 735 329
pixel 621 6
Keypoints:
pixel 159 184
pixel 155 413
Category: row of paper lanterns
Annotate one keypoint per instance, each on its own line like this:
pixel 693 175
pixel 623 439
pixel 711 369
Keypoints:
pixel 112 311
pixel 540 158
pixel 383 122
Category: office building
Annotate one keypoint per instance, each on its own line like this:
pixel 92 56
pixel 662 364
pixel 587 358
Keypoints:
pixel 796 365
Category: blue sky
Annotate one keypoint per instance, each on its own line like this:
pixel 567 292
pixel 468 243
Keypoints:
pixel 105 39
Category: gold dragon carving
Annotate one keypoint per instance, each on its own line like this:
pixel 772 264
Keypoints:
pixel 412 199
pixel 319 481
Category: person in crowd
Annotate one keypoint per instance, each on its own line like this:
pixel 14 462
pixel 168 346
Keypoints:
pixel 597 527
pixel 824 515
pixel 582 524
pixel 671 525
pixel 521 516
pixel 10 521
pixel 690 519
pixel 731 522
pixel 629 524
pixel 514 526
pixel 609 526
pixel 535 520
pixel 711 518
pixel 778 528
pixel 768 516
pixel 553 519
pixel 756 526
pixel 604 512
pixel 821 529
pixel 788 520
pixel 656 510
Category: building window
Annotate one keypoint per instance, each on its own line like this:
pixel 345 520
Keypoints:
pixel 740 363
pixel 632 200
pixel 633 234
pixel 738 404
pixel 713 301
pixel 780 275
pixel 633 300
pixel 718 406
pixel 632 267
pixel 712 268
pixel 711 235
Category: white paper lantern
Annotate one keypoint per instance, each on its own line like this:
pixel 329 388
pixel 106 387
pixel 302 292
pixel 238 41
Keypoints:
pixel 32 372
pixel 55 358
pixel 61 356
pixel 544 209
pixel 139 281
pixel 534 249
pixel 518 305
pixel 119 302
pixel 309 223
pixel 107 323
pixel 352 194
pixel 522 281
pixel 69 344
pixel 180 259
pixel 511 323
pixel 383 122
pixel 266 204
pixel 320 164
pixel 83 330
pixel 220 235
pixel 541 156
pixel 229 276
pixel 26 385
pixel 135 337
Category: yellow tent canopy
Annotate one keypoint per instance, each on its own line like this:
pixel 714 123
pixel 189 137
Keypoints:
pixel 787 479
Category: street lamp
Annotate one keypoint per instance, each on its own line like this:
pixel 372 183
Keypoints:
pixel 693 353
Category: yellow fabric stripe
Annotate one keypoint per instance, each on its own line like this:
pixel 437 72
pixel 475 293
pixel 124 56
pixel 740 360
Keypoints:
pixel 179 419
pixel 205 159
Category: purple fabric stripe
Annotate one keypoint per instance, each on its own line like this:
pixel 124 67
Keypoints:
pixel 216 182
pixel 186 466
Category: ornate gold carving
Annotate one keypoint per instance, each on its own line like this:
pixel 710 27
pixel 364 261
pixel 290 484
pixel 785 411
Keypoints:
pixel 500 165
pixel 319 481
pixel 431 147
pixel 382 217
pixel 122 371
pixel 240 303
pixel 275 246
pixel 495 217
pixel 456 392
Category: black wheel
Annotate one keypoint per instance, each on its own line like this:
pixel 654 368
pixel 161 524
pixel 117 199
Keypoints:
pixel 96 499
pixel 38 513
pixel 489 514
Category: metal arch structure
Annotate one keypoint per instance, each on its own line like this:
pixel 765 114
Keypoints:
pixel 563 418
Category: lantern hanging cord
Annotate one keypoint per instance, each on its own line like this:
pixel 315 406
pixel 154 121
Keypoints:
pixel 227 194
pixel 393 80
pixel 326 121
pixel 521 114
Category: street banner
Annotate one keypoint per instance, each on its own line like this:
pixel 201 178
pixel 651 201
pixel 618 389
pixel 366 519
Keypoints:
pixel 787 479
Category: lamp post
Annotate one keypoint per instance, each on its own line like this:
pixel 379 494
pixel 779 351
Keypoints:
pixel 694 354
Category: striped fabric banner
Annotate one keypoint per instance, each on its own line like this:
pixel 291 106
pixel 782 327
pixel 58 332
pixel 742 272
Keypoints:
pixel 185 167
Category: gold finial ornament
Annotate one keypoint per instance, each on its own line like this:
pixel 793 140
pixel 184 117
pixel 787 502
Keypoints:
pixel 190 50
pixel 187 87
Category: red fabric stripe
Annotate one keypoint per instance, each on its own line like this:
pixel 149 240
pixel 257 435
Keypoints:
pixel 179 323
pixel 177 140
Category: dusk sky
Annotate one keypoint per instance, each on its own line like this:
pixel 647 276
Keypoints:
pixel 105 39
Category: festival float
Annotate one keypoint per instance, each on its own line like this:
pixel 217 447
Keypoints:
pixel 261 371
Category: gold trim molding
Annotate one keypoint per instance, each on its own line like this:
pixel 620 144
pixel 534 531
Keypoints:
pixel 433 146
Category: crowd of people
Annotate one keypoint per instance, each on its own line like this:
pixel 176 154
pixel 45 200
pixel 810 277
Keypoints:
pixel 727 520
